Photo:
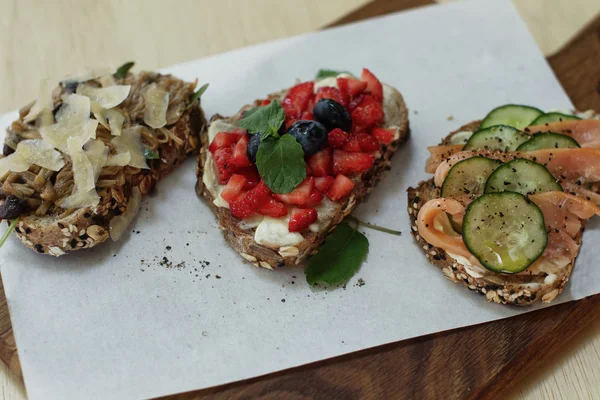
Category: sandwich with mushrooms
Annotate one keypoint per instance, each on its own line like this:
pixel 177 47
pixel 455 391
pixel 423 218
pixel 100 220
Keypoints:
pixel 78 160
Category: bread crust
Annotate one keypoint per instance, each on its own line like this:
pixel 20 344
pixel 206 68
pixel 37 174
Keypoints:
pixel 242 240
pixel 86 227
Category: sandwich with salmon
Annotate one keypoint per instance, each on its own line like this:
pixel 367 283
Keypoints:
pixel 284 171
pixel 505 210
pixel 78 160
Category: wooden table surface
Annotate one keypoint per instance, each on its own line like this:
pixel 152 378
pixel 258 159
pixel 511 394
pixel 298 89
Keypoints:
pixel 45 39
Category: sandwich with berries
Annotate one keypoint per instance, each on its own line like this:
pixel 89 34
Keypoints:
pixel 505 211
pixel 284 172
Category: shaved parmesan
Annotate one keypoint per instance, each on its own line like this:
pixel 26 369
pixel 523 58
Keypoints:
pixel 112 119
pixel 72 120
pixel 118 225
pixel 131 141
pixel 13 163
pixel 32 152
pixel 93 73
pixel 107 80
pixel 44 102
pixel 107 97
pixel 118 160
pixel 157 102
pixel 97 153
pixel 84 190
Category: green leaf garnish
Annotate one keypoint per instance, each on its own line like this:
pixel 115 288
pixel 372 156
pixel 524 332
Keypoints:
pixel 373 226
pixel 11 228
pixel 151 154
pixel 196 95
pixel 123 70
pixel 281 163
pixel 328 73
pixel 264 121
pixel 339 258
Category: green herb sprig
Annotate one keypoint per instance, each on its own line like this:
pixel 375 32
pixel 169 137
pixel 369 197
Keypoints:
pixel 123 70
pixel 339 258
pixel 151 154
pixel 280 159
pixel 197 94
pixel 11 228
pixel 328 73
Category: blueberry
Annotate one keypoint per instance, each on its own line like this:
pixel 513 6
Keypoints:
pixel 311 135
pixel 252 148
pixel 332 114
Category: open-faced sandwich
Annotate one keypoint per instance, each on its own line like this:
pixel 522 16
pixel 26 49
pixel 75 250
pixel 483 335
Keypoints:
pixel 79 159
pixel 505 211
pixel 286 170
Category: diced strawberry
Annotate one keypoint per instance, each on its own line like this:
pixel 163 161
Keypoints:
pixel 234 187
pixel 273 208
pixel 306 115
pixel 352 145
pixel 301 218
pixel 323 182
pixel 368 143
pixel 297 99
pixel 368 113
pixel 314 199
pixel 350 88
pixel 351 163
pixel 356 101
pixel 240 208
pixel 300 195
pixel 224 167
pixel 340 188
pixel 265 102
pixel 337 138
pixel 258 196
pixel 251 176
pixel 327 92
pixel 385 136
pixel 224 139
pixel 239 158
pixel 320 164
pixel 373 85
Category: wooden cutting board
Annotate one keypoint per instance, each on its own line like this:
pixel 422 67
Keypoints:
pixel 476 362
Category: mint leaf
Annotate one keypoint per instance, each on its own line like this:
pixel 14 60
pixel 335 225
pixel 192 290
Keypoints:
pixel 264 121
pixel 196 95
pixel 280 163
pixel 339 258
pixel 328 73
pixel 123 70
pixel 150 154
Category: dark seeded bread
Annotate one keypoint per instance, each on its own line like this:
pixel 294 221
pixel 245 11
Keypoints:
pixel 499 288
pixel 242 240
pixel 85 228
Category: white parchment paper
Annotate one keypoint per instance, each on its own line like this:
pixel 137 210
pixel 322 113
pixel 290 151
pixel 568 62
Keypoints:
pixel 105 324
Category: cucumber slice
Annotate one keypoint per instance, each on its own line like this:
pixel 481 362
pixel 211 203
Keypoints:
pixel 468 177
pixel 505 231
pixel 522 176
pixel 552 117
pixel 514 115
pixel 548 140
pixel 498 137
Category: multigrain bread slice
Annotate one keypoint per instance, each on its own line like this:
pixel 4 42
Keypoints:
pixel 520 289
pixel 242 240
pixel 59 230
